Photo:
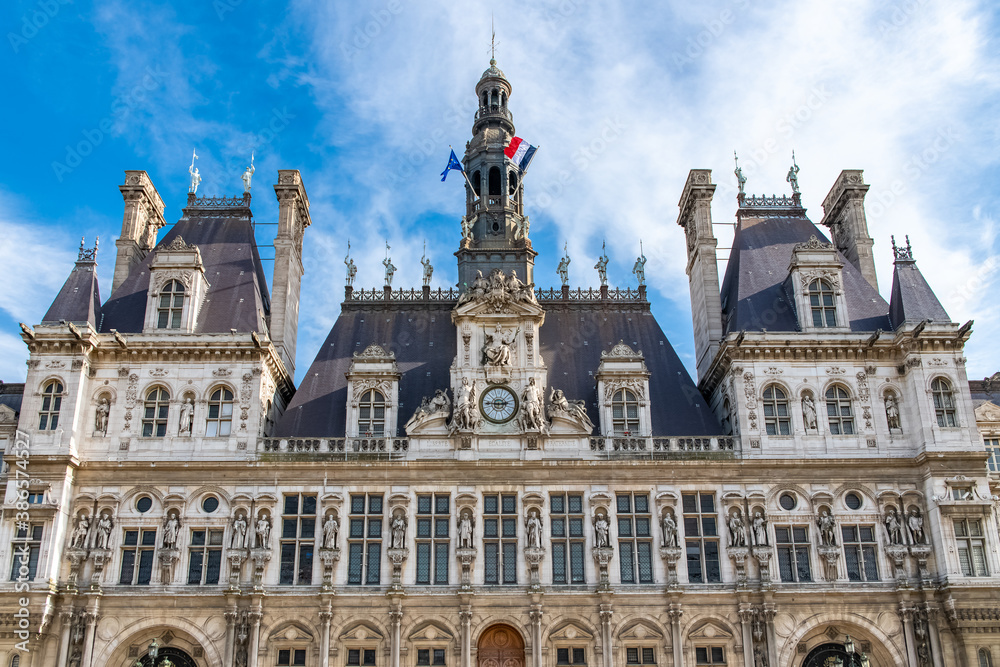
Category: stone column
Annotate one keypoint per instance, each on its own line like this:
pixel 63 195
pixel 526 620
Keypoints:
pixel 66 623
pixel 91 617
pixel 536 635
pixel 254 617
pixel 395 620
pixel 231 616
pixel 606 614
pixel 772 638
pixel 465 615
pixel 746 618
pixel 326 616
pixel 675 613
pixel 906 611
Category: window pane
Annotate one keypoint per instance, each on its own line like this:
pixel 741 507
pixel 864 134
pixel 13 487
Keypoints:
pixel 194 569
pixel 214 567
pixel 374 564
pixel 627 565
pixel 423 563
pixel 441 563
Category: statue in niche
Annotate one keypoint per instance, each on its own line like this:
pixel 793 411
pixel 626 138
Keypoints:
pixel 809 412
pixel 263 530
pixel 465 408
pixel 466 231
pixel 239 537
pixel 81 532
pixel 533 526
pixel 399 531
pixel 331 530
pixel 759 660
pixel 893 526
pixel 892 411
pixel 915 522
pixel 602 266
pixel 827 529
pixel 170 529
pixel 465 531
pixel 760 529
pixel 102 539
pixel 575 410
pixel 669 528
pixel 531 406
pixel 563 268
pixel 601 531
pixel 101 419
pixel 497 349
pixel 737 530
pixel 187 409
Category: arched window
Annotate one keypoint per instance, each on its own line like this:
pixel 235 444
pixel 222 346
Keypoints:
pixel 985 659
pixel 824 312
pixel 48 416
pixel 511 183
pixel 776 419
pixel 220 413
pixel 154 415
pixel 477 182
pixel 494 181
pixel 944 402
pixel 371 414
pixel 168 312
pixel 838 411
pixel 486 100
pixel 624 413
pixel 503 99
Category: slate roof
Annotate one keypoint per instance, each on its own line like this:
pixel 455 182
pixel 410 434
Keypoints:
pixel 11 395
pixel 237 296
pixel 424 342
pixel 986 390
pixel 755 292
pixel 79 300
pixel 912 298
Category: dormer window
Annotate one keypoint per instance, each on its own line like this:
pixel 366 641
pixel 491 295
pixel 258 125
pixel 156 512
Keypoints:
pixel 371 414
pixel 822 304
pixel 944 403
pixel 625 412
pixel 48 416
pixel 372 394
pixel 171 305
pixel 623 390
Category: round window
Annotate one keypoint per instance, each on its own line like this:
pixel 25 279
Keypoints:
pixel 853 501
pixel 144 503
pixel 787 501
pixel 210 504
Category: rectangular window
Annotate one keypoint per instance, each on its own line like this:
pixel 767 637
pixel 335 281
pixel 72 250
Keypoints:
pixel 362 657
pixel 292 657
pixel 860 552
pixel 433 531
pixel 709 655
pixel 364 541
pixel 566 520
pixel 431 657
pixel 571 656
pixel 138 547
pixel 971 547
pixel 635 543
pixel 793 552
pixel 298 538
pixel 500 521
pixel 701 535
pixel 993 450
pixel 640 655
pixel 205 556
pixel 27 543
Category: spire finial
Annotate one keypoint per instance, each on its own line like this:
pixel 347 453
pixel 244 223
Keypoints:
pixel 899 253
pixel 493 41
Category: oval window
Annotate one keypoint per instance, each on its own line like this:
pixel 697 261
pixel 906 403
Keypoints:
pixel 144 503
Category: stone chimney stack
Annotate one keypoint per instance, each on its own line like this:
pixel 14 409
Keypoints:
pixel 293 218
pixel 702 268
pixel 844 214
pixel 143 218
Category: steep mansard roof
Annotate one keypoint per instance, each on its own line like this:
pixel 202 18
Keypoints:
pixel 424 342
pixel 755 293
pixel 79 300
pixel 237 296
pixel 912 299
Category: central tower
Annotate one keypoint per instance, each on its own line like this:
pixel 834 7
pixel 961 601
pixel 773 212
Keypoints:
pixel 498 228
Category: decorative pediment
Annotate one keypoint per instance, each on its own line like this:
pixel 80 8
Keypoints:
pixel 375 352
pixel 711 630
pixel 292 632
pixel 813 244
pixel 641 630
pixel 988 412
pixel 430 632
pixel 6 414
pixel 498 293
pixel 179 244
pixel 361 632
pixel 570 632
pixel 622 351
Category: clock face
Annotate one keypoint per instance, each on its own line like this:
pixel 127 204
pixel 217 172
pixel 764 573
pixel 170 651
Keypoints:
pixel 498 404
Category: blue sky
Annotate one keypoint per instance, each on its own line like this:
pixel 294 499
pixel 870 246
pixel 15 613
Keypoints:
pixel 623 98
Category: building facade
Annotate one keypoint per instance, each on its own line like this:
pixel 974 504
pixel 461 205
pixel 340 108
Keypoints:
pixel 500 475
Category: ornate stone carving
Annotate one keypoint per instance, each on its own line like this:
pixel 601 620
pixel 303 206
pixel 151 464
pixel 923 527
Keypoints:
pixel 621 351
pixel 915 526
pixel 809 412
pixel 635 385
pixel 498 291
pixel 827 528
pixel 668 530
pixel 737 529
pixel 531 418
pixel 466 415
pixel 178 244
pixel 101 417
pixel 437 406
pixel 576 411
pixel 813 244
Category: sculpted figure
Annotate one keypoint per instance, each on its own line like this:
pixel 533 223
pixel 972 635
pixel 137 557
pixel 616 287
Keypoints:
pixel 808 412
pixel 892 411
pixel 741 180
pixel 263 530
pixel 737 530
pixel 331 529
pixel 103 537
pixel 827 529
pixel 465 407
pixel 497 351
pixel 101 420
pixel 531 404
pixel 534 530
pixel 247 175
pixel 440 404
pixel 893 526
pixel 170 529
pixel 576 410
pixel 465 531
pixel 239 538
pixel 466 231
pixel 352 270
pixel 793 175
pixel 669 528
pixel 601 530
pixel 639 269
pixel 195 178
pixel 760 529
pixel 915 523
pixel 602 267
pixel 428 270
pixel 81 532
pixel 563 269
pixel 399 531
pixel 187 408
pixel 390 271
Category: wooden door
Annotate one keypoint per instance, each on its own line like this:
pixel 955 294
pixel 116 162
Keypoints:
pixel 501 646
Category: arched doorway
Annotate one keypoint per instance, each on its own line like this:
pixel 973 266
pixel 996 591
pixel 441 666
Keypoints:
pixel 831 655
pixel 500 646
pixel 177 657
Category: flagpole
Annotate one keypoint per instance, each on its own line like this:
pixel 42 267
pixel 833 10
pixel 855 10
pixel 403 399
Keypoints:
pixel 464 175
pixel 523 173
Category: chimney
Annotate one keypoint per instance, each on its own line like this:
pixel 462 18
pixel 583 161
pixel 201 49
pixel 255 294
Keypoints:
pixel 702 268
pixel 293 218
pixel 844 214
pixel 143 218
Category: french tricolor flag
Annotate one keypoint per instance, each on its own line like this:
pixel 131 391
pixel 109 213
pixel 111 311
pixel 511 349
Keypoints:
pixel 520 153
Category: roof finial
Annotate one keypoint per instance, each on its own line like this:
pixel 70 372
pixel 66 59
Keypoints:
pixel 493 41
pixel 793 176
pixel 741 180
pixel 899 253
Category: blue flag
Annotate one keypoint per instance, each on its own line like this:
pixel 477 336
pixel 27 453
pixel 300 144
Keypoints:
pixel 453 163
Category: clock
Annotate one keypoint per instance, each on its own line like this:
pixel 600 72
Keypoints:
pixel 498 405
